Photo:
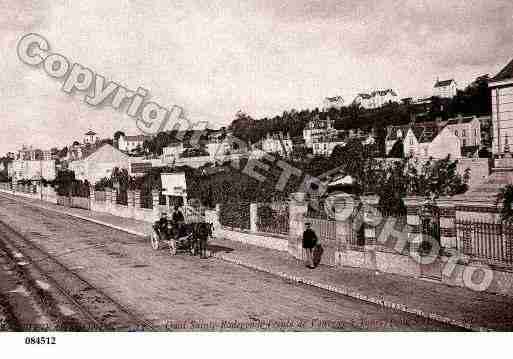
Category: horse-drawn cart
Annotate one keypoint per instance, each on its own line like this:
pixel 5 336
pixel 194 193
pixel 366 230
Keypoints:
pixel 188 238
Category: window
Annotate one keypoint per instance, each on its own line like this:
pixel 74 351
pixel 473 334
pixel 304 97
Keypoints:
pixel 464 142
pixel 411 141
pixel 463 133
pixel 456 132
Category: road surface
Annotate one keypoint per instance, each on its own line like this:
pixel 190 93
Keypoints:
pixel 165 292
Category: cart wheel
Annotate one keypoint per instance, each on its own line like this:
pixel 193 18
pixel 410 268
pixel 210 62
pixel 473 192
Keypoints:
pixel 155 241
pixel 172 247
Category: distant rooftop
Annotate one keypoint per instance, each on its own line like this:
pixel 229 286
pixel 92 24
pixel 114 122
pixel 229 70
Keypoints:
pixel 444 83
pixel 505 74
pixel 91 133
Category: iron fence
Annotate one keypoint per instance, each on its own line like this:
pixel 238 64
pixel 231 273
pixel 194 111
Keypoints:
pixel 273 217
pixel 491 242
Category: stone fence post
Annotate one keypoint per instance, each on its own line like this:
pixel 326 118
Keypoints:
pixel 413 220
pixel 370 204
pixel 137 200
pixel 298 208
pixel 92 199
pixel 253 217
pixel 108 199
pixel 447 210
pixel 155 195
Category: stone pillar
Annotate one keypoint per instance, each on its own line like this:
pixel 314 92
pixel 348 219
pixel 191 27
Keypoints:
pixel 92 199
pixel 130 198
pixel 447 223
pixel 345 210
pixel 298 207
pixel 155 194
pixel 253 217
pixel 413 220
pixel 108 199
pixel 370 204
pixel 137 199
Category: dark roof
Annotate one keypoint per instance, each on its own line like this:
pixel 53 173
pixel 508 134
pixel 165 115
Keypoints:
pixel 444 83
pixel 505 74
pixel 90 133
pixel 392 132
pixel 425 133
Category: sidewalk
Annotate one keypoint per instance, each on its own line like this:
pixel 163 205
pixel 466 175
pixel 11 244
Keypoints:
pixel 452 305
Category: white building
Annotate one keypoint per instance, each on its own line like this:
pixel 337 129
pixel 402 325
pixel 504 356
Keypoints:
pixel 426 141
pixel 502 111
pixel 99 164
pixel 445 89
pixel 318 128
pixel 324 145
pixel 468 129
pixel 131 143
pixel 277 143
pixel 91 137
pixel 336 102
pixel 32 170
pixel 172 152
pixel 376 99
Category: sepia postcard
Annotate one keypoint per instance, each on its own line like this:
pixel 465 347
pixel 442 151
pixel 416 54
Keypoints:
pixel 222 166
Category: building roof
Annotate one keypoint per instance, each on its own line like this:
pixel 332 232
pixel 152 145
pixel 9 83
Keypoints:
pixel 444 83
pixel 90 133
pixel 505 74
pixel 392 132
pixel 106 154
pixel 425 133
pixel 137 138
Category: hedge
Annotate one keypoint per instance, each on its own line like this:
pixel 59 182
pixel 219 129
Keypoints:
pixel 235 215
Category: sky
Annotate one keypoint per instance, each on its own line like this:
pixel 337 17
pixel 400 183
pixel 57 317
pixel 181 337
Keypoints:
pixel 213 58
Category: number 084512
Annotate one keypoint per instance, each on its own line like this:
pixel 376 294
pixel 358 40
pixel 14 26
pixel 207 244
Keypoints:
pixel 40 340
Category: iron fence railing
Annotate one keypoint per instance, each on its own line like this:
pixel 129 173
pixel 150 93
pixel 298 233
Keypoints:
pixel 273 217
pixel 491 242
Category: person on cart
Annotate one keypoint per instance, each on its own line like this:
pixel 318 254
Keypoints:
pixel 179 221
pixel 161 227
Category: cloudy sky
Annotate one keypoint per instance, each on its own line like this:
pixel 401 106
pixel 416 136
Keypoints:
pixel 261 56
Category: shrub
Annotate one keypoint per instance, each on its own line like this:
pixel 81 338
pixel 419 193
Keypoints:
pixel 235 215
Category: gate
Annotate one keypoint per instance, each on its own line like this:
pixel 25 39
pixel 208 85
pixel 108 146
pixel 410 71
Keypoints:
pixel 430 231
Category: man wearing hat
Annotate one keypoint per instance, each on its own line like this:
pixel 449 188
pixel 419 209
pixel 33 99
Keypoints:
pixel 309 242
pixel 162 226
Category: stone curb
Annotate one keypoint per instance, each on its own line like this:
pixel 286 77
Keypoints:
pixel 331 288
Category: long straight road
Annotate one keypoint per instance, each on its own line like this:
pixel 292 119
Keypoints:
pixel 184 292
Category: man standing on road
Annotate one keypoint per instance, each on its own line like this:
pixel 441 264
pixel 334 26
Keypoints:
pixel 309 242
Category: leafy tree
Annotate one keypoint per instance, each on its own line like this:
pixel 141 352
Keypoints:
pixel 505 201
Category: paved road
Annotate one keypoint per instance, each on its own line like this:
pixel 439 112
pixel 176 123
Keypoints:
pixel 184 292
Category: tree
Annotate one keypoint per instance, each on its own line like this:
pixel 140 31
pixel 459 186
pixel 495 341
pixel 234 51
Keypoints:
pixel 117 135
pixel 505 201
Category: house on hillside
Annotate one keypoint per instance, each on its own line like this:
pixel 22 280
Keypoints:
pixel 336 102
pixel 172 152
pixel 99 164
pixel 394 134
pixel 318 127
pixel 428 140
pixel 445 88
pixel 91 137
pixel 417 139
pixel 468 129
pixel 131 143
pixel 277 143
pixel 324 145
pixel 376 99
